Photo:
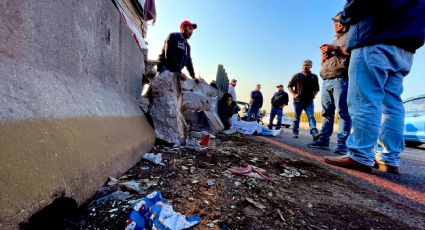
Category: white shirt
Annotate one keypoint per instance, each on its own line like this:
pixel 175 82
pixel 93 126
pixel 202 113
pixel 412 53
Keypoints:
pixel 232 92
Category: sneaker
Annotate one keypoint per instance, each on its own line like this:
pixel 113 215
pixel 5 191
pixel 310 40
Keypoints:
pixel 276 133
pixel 318 145
pixel 315 136
pixel 295 135
pixel 341 149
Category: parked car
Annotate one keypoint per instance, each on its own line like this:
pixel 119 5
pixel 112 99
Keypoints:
pixel 243 113
pixel 286 120
pixel 414 131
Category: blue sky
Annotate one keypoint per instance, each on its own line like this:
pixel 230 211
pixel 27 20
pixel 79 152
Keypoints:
pixel 258 41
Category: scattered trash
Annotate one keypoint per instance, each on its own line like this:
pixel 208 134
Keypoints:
pixel 309 205
pixel 280 214
pixel 115 196
pixel 247 171
pixel 230 131
pixel 256 204
pixel 113 210
pixel 154 158
pixel 153 213
pixel 251 183
pixel 210 225
pixel 195 181
pixel 132 186
pixel 290 173
pixel 205 140
pixel 210 182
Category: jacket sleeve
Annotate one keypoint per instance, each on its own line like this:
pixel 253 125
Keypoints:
pixel 285 99
pixel 189 67
pixel 271 101
pixel 316 86
pixel 293 81
pixel 170 47
pixel 354 11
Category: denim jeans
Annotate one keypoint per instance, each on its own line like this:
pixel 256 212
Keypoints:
pixel 266 132
pixel 252 111
pixel 334 97
pixel 309 110
pixel 279 113
pixel 375 86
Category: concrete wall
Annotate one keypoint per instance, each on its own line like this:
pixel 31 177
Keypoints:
pixel 69 73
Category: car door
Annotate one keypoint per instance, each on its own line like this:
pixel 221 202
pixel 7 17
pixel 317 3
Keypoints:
pixel 415 120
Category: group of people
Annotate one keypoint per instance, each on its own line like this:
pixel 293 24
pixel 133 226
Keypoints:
pixel 362 71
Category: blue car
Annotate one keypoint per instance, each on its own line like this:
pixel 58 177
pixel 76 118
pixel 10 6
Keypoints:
pixel 414 131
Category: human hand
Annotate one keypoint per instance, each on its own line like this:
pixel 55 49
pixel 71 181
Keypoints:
pixel 296 96
pixel 326 48
pixel 183 77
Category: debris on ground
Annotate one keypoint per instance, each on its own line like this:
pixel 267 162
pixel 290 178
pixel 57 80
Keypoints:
pixel 154 158
pixel 194 184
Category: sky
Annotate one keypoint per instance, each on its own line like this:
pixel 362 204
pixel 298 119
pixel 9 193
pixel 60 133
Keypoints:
pixel 259 41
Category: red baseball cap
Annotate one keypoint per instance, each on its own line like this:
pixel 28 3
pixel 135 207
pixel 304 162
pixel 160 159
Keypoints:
pixel 187 23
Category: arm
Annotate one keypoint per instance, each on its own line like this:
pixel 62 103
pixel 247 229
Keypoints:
pixel 291 86
pixel 316 87
pixel 189 67
pixel 354 10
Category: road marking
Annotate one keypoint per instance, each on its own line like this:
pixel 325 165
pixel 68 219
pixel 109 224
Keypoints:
pixel 401 190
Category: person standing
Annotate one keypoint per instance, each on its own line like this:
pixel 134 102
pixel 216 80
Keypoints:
pixel 175 54
pixel 304 87
pixel 232 86
pixel 383 38
pixel 334 73
pixel 256 103
pixel 279 100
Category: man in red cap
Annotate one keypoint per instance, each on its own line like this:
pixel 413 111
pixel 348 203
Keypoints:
pixel 175 54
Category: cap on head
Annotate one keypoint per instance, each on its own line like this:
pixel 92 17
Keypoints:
pixel 187 23
pixel 234 80
pixel 279 86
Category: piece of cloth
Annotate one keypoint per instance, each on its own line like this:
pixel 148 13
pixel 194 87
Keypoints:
pixel 305 86
pixel 245 127
pixel 257 99
pixel 309 110
pixel 249 171
pixel 334 97
pixel 175 55
pixel 232 91
pixel 392 22
pixel 276 112
pixel 336 66
pixel 149 11
pixel 279 100
pixel 375 104
pixel 253 111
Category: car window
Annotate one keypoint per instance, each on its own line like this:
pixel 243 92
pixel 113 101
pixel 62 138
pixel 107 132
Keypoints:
pixel 415 105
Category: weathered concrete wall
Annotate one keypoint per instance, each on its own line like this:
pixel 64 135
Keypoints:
pixel 69 73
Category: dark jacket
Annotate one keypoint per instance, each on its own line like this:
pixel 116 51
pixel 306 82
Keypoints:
pixel 393 22
pixel 176 54
pixel 336 65
pixel 225 112
pixel 305 86
pixel 279 100
pixel 257 99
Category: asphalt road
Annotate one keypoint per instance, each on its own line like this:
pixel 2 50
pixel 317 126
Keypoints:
pixel 409 186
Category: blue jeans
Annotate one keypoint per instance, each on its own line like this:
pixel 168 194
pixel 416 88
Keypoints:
pixel 309 110
pixel 252 111
pixel 334 97
pixel 273 113
pixel 375 86
pixel 266 132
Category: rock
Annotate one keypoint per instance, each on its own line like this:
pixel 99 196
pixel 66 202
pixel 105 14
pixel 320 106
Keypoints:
pixel 210 182
pixel 165 109
pixel 248 211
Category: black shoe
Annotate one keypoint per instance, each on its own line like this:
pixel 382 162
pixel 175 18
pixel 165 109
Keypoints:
pixel 318 145
pixel 295 135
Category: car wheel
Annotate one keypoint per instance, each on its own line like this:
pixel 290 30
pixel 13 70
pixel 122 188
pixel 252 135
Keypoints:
pixel 412 143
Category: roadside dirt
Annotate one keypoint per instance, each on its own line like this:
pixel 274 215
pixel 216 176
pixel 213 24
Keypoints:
pixel 305 196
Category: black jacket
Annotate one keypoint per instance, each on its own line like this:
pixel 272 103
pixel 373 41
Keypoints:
pixel 393 22
pixel 279 100
pixel 257 99
pixel 176 54
pixel 225 112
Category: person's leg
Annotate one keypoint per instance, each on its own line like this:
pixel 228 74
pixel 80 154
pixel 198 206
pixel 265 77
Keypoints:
pixel 256 113
pixel 368 74
pixel 328 111
pixel 298 108
pixel 279 118
pixel 272 115
pixel 266 132
pixel 391 136
pixel 344 122
pixel 250 112
pixel 309 110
